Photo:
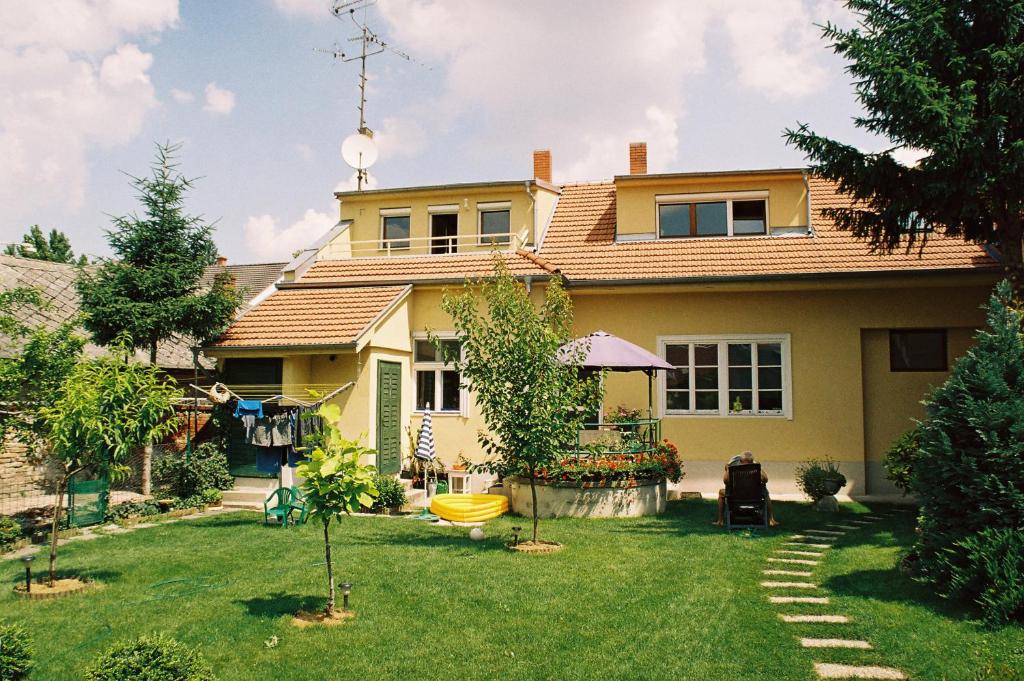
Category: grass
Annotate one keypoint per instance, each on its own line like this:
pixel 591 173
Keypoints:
pixel 668 597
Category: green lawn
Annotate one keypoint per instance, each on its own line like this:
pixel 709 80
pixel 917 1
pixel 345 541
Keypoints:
pixel 668 597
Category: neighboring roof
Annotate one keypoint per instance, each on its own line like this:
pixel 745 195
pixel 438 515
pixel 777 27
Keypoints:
pixel 321 317
pixel 251 280
pixel 580 241
pixel 421 269
pixel 56 281
pixel 353 193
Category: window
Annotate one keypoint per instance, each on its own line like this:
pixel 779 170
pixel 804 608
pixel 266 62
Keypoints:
pixel 495 223
pixel 739 376
pixel 437 384
pixel 444 228
pixel 918 350
pixel 394 228
pixel 733 214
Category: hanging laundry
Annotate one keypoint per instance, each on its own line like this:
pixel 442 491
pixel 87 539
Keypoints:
pixel 281 430
pixel 268 460
pixel 249 407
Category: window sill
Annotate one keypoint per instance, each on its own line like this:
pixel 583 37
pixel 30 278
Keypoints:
pixel 718 415
pixel 420 412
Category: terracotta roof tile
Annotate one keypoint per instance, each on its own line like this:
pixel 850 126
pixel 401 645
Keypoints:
pixel 251 280
pixel 311 316
pixel 410 269
pixel 581 243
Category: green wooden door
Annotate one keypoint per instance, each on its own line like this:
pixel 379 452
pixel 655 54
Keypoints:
pixel 389 417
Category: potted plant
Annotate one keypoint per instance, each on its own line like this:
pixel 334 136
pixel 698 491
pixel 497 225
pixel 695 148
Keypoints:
pixel 820 480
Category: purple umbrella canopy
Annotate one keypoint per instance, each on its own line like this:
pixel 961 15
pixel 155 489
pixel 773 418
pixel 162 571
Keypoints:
pixel 612 353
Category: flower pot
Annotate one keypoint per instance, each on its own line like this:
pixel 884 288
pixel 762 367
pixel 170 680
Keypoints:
pixel 832 485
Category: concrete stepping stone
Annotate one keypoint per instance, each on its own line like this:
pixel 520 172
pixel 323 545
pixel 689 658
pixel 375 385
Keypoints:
pixel 142 526
pixel 786 573
pixel 808 544
pixel 794 561
pixel 804 536
pixel 820 600
pixel 861 522
pixel 828 670
pixel 811 554
pixel 831 533
pixel 815 619
pixel 874 517
pixel 845 527
pixel 789 585
pixel 834 643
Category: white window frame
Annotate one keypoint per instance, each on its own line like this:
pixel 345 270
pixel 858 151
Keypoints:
pixel 437 368
pixel 717 197
pixel 490 207
pixel 394 213
pixel 724 407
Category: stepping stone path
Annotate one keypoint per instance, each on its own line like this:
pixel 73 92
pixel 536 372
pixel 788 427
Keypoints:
pixel 821 540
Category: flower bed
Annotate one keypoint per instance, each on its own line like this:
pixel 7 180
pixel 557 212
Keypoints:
pixel 618 469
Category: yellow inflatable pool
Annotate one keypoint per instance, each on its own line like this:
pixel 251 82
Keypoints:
pixel 469 508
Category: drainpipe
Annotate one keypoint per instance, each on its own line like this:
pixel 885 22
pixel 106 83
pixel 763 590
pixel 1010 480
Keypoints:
pixel 528 280
pixel 807 191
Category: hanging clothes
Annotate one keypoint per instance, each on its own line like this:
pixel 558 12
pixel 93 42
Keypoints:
pixel 306 427
pixel 268 460
pixel 249 407
pixel 272 431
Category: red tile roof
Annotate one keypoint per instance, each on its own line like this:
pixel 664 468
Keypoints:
pixel 410 269
pixel 581 242
pixel 318 316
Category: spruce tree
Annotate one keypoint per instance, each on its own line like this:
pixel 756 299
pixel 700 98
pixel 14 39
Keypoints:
pixel 945 77
pixel 151 288
pixel 56 248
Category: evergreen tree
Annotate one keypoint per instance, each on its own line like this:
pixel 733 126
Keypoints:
pixel 945 77
pixel 56 248
pixel 151 288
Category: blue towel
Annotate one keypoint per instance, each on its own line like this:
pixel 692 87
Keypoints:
pixel 253 407
pixel 268 460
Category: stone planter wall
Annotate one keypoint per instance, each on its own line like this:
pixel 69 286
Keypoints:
pixel 592 501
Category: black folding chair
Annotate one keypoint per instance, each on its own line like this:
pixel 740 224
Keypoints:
pixel 746 499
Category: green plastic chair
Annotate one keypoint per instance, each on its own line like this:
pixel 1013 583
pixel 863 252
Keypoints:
pixel 298 503
pixel 281 510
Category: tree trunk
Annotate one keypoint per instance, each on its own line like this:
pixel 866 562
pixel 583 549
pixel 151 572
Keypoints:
pixel 1011 248
pixel 54 531
pixel 152 351
pixel 329 610
pixel 147 469
pixel 533 494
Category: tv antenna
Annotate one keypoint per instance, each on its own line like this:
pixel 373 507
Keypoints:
pixel 359 150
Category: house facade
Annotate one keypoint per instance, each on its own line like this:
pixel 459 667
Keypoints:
pixel 790 338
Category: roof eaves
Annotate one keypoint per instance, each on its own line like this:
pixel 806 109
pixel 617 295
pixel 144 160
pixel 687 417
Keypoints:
pixel 384 312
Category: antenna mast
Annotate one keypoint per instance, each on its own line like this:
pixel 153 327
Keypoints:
pixel 370 44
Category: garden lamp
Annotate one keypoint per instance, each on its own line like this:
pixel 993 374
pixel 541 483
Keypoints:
pixel 27 560
pixel 516 529
pixel 346 589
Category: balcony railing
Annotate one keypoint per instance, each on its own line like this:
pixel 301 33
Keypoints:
pixel 341 249
pixel 625 437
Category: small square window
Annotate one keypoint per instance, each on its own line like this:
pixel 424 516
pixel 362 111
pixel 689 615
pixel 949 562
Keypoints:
pixel 494 226
pixel 918 350
pixel 748 217
pixel 396 231
pixel 712 219
pixel 674 219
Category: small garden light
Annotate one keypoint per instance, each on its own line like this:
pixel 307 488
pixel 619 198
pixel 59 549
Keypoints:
pixel 27 560
pixel 516 529
pixel 346 589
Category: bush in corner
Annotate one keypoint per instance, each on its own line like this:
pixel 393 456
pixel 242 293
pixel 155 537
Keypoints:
pixel 10 532
pixel 968 474
pixel 150 658
pixel 207 468
pixel 391 493
pixel 899 460
pixel 15 653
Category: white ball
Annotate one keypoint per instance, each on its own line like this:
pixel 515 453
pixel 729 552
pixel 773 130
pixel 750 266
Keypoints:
pixel 476 534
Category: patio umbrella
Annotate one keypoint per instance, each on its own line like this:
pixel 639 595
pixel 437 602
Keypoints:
pixel 425 449
pixel 611 353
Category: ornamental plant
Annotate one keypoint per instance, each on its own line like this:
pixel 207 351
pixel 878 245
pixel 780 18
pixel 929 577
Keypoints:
pixel 150 658
pixel 662 464
pixel 15 653
pixel 335 484
pixel 968 474
pixel 533 397
pixel 816 478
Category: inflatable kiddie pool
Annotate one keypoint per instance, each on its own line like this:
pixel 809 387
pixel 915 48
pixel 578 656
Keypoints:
pixel 469 508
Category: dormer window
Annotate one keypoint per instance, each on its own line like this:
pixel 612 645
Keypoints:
pixel 708 215
pixel 394 228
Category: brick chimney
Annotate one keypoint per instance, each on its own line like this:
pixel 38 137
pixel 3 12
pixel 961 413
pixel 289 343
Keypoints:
pixel 638 158
pixel 221 261
pixel 542 165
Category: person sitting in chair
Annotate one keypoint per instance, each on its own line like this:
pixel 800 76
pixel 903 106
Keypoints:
pixel 744 458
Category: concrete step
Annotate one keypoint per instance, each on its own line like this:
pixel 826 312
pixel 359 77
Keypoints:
pixel 245 497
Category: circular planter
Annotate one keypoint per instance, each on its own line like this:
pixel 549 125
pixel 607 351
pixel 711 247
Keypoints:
pixel 64 586
pixel 534 548
pixel 832 486
pixel 630 499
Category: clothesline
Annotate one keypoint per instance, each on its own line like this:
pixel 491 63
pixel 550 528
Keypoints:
pixel 270 396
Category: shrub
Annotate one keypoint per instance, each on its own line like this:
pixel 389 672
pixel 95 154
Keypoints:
pixel 150 658
pixel 969 473
pixel 130 509
pixel 10 532
pixel 900 457
pixel 206 468
pixel 817 478
pixel 212 497
pixel 989 568
pixel 662 464
pixel 15 652
pixel 390 491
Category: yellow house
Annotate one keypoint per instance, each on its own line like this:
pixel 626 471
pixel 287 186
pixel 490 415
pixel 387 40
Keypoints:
pixel 789 337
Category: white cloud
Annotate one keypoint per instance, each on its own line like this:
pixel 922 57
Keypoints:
pixel 182 96
pixel 218 100
pixel 268 242
pixel 585 79
pixel 67 72
pixel 909 156
pixel 305 8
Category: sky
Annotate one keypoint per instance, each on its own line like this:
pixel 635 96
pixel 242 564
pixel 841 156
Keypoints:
pixel 88 87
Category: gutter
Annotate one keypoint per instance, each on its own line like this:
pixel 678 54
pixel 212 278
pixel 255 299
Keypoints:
pixel 278 348
pixel 798 276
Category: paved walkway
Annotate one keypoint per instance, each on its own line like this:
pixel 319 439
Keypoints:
pixel 801 553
